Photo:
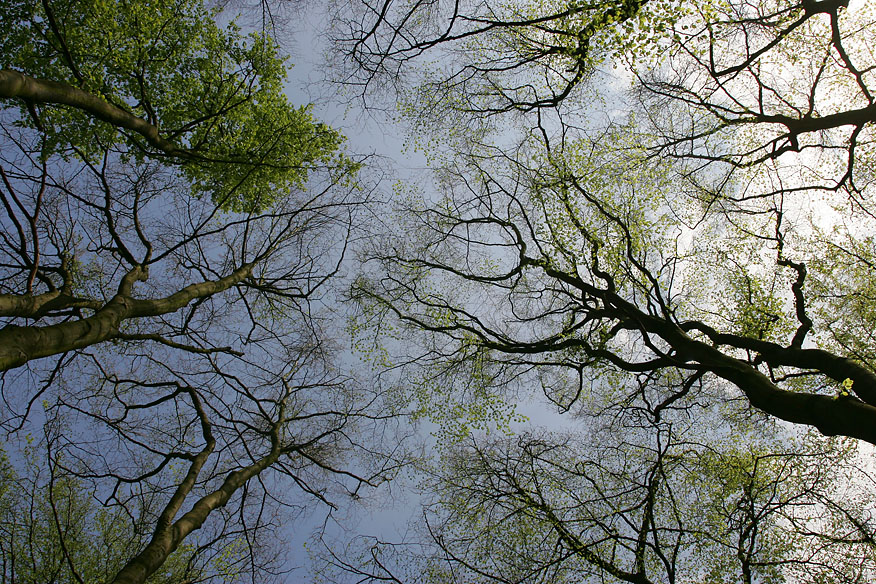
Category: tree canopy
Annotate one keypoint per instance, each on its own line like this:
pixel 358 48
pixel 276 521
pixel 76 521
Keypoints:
pixel 170 227
pixel 655 217
pixel 659 215
pixel 164 81
pixel 668 236
pixel 54 531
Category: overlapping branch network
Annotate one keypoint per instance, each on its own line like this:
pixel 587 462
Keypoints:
pixel 169 232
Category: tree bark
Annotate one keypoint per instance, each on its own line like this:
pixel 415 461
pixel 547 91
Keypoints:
pixel 167 540
pixel 20 344
pixel 33 90
pixel 38 305
pixel 832 416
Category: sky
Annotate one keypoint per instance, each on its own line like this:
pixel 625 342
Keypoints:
pixel 384 514
pixel 387 515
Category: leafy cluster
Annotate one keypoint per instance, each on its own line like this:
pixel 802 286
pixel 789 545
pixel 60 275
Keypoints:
pixel 48 517
pixel 214 95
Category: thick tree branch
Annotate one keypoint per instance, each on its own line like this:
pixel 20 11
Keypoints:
pixel 39 305
pixel 32 90
pixel 18 345
pixel 168 537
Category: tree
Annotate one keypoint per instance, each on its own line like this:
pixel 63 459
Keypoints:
pixel 700 243
pixel 568 265
pixel 798 73
pixel 52 531
pixel 636 500
pixel 171 226
pixel 206 99
pixel 586 248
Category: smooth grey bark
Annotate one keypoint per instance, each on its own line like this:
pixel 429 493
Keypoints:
pixel 167 539
pixel 38 305
pixel 168 535
pixel 20 344
pixel 33 90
